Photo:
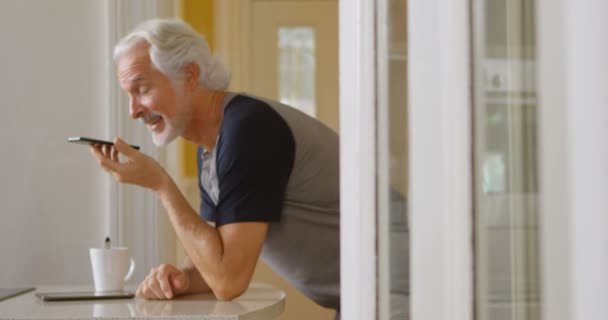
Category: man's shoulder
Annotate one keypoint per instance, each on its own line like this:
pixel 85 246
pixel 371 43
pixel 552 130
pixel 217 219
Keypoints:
pixel 243 106
pixel 244 112
pixel 249 120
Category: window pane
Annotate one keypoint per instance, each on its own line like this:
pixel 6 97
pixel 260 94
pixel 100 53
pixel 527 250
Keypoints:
pixel 393 230
pixel 297 68
pixel 505 155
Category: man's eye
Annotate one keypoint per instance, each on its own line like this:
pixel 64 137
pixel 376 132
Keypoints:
pixel 143 90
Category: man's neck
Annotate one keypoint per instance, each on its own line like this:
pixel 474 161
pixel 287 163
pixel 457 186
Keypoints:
pixel 207 114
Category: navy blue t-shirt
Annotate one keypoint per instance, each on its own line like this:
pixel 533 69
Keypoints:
pixel 273 162
pixel 255 156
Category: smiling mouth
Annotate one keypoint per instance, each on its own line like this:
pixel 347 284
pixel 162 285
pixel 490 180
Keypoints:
pixel 155 120
pixel 152 120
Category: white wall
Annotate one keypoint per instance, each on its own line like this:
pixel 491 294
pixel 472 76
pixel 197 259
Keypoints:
pixel 53 71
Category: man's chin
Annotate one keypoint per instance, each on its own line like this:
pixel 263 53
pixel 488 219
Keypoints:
pixel 161 140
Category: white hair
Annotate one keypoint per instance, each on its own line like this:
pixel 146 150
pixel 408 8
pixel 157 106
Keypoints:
pixel 173 45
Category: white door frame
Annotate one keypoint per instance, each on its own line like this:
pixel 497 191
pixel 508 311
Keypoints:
pixel 135 218
pixel 358 285
pixel 440 159
pixel 440 163
pixel 573 73
pixel 573 70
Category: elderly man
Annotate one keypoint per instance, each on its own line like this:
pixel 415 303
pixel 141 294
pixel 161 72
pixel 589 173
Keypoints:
pixel 269 174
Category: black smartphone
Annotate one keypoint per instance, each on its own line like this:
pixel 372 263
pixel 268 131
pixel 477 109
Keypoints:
pixel 94 141
pixel 71 296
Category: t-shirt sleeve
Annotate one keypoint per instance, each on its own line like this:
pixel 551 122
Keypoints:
pixel 255 156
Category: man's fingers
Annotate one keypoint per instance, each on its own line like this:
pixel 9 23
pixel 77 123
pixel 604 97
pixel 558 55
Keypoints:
pixel 154 288
pixel 110 165
pixel 104 162
pixel 179 282
pixel 107 150
pixel 124 148
pixel 163 281
pixel 97 152
pixel 143 290
pixel 139 291
pixel 114 155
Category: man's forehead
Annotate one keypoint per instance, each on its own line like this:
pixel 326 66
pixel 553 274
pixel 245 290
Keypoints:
pixel 133 65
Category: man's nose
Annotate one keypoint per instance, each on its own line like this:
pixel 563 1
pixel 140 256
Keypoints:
pixel 135 109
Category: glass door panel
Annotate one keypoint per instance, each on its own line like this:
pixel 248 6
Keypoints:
pixel 505 158
pixel 392 137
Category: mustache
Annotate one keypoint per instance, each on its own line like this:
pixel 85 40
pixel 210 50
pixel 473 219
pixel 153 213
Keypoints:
pixel 150 117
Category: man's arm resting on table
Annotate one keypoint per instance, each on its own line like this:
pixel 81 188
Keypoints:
pixel 197 283
pixel 225 257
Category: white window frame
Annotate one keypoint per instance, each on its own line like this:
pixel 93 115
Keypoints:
pixel 440 160
pixel 573 70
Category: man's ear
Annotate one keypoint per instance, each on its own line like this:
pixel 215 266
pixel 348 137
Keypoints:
pixel 192 73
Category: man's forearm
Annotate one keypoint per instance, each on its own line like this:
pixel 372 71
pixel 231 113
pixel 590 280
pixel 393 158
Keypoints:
pixel 197 283
pixel 201 241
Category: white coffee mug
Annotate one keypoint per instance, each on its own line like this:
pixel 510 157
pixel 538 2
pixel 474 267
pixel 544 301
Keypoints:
pixel 111 268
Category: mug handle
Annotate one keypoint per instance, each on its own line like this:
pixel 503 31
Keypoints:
pixel 131 269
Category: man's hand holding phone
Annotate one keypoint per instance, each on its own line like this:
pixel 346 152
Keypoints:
pixel 138 169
